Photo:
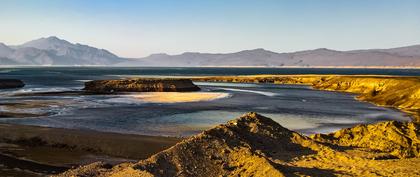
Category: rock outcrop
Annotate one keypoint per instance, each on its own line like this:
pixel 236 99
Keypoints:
pixel 398 92
pixel 11 83
pixel 140 85
pixel 398 139
pixel 254 145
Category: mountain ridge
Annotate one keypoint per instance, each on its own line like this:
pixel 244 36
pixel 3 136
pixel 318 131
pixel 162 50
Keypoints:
pixel 55 51
pixel 407 56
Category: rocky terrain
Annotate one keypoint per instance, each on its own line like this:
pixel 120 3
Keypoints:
pixel 140 85
pixel 11 83
pixel 399 92
pixel 254 145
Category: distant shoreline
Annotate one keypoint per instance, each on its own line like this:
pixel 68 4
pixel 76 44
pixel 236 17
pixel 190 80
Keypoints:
pixel 279 67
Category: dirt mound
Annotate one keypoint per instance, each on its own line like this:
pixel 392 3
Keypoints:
pixel 254 145
pixel 140 85
pixel 240 147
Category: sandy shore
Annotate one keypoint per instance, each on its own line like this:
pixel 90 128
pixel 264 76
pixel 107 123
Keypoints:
pixel 178 97
pixel 52 150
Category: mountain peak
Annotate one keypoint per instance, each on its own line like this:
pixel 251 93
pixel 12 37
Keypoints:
pixel 53 38
pixel 322 49
pixel 49 43
pixel 257 50
pixel 3 45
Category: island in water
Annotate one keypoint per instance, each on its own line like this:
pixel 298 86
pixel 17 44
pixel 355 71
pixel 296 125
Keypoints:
pixel 141 85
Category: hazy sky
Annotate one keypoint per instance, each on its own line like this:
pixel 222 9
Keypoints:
pixel 135 28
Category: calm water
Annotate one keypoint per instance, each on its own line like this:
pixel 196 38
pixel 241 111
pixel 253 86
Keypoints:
pixel 296 107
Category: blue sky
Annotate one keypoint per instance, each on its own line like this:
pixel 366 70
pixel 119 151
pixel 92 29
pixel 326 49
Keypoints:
pixel 136 28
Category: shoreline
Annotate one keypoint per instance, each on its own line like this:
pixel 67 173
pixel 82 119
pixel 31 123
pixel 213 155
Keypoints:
pixel 297 67
pixel 27 147
pixel 367 87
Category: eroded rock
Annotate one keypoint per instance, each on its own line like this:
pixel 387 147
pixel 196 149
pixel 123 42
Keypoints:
pixel 141 85
pixel 397 138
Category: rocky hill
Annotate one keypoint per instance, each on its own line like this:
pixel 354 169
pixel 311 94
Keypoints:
pixel 254 145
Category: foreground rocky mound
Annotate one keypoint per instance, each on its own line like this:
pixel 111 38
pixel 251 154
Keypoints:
pixel 11 83
pixel 141 85
pixel 254 145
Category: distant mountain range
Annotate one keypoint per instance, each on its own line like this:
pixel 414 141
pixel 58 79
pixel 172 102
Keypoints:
pixel 55 51
pixel 397 57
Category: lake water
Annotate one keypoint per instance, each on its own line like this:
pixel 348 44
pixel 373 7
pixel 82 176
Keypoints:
pixel 296 107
